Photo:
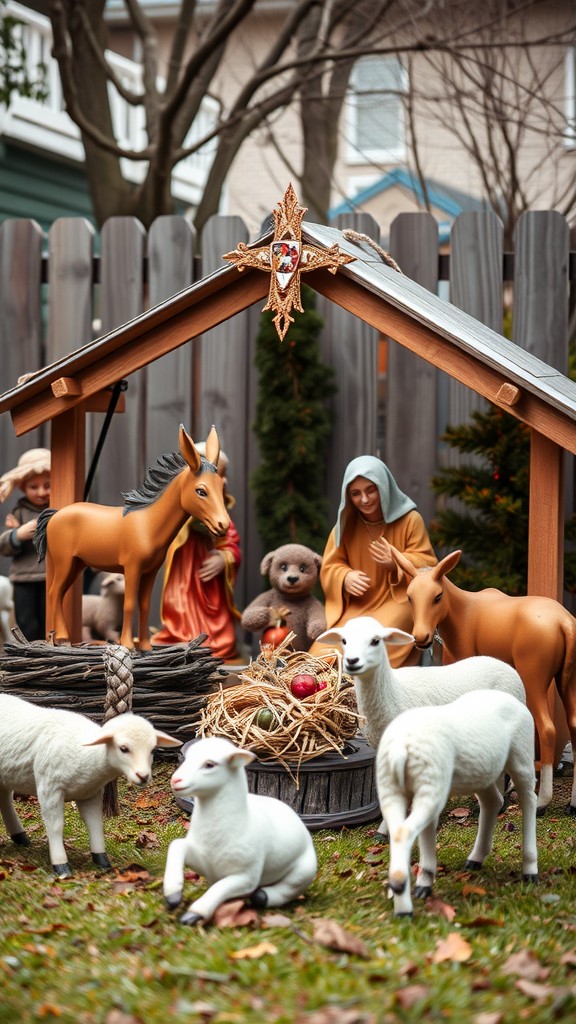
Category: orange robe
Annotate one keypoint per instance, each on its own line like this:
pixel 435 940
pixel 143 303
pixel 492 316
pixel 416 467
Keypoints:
pixel 385 600
pixel 189 606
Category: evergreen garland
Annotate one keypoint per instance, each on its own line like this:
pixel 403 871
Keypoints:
pixel 492 530
pixel 292 425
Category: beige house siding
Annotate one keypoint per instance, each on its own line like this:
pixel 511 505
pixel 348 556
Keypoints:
pixel 259 174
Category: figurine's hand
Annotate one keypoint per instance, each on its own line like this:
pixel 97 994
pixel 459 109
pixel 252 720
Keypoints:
pixel 278 614
pixel 26 531
pixel 212 565
pixel 11 521
pixel 356 583
pixel 382 552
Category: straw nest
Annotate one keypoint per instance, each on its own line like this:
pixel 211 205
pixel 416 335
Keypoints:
pixel 261 714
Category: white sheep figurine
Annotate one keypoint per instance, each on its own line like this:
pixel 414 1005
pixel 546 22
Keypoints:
pixel 428 753
pixel 60 756
pixel 382 692
pixel 102 613
pixel 245 845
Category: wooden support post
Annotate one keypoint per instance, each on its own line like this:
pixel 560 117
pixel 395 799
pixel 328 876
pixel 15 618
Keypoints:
pixel 546 518
pixel 546 545
pixel 67 485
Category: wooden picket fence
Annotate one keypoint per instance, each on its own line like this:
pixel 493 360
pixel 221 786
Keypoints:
pixel 59 291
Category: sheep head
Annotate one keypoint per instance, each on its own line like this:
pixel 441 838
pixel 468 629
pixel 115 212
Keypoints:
pixel 363 642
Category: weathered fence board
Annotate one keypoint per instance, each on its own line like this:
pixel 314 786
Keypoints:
pixel 350 346
pixel 70 252
pixel 124 457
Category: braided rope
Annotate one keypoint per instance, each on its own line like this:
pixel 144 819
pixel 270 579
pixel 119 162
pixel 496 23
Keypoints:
pixel 119 680
pixel 119 689
pixel 357 236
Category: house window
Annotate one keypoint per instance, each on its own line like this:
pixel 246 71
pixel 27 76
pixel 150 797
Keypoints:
pixel 375 130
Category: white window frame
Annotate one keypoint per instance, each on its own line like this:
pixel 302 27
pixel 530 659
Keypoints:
pixel 570 130
pixel 357 154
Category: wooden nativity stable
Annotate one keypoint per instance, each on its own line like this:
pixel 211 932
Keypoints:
pixel 64 392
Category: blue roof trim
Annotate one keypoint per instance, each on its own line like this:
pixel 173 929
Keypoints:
pixel 450 200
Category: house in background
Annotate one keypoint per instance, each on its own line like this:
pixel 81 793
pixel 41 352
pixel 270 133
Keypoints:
pixel 391 103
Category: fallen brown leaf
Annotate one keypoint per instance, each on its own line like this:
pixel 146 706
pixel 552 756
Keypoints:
pixel 437 906
pixel 234 914
pixel 568 959
pixel 147 840
pixel 254 952
pixel 454 948
pixel 473 890
pixel 459 812
pixel 336 1015
pixel 527 965
pixel 533 990
pixel 276 921
pixel 407 997
pixel 49 1010
pixel 331 934
pixel 488 1017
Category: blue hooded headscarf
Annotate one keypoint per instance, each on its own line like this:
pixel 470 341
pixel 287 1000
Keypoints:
pixel 393 501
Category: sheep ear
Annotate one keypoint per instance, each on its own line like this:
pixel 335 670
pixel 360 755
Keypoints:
pixel 396 636
pixel 102 738
pixel 164 740
pixel 331 636
pixel 240 758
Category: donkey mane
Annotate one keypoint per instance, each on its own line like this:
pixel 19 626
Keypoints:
pixel 157 478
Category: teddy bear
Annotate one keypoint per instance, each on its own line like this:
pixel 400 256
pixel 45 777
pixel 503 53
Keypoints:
pixel 293 570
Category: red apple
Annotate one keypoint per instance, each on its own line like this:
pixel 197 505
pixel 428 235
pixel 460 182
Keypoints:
pixel 274 635
pixel 322 684
pixel 303 685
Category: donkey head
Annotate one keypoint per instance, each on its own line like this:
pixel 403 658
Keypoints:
pixel 202 493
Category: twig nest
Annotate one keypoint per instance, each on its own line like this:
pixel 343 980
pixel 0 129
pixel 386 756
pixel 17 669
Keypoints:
pixel 268 713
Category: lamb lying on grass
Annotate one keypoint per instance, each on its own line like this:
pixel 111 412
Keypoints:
pixel 463 747
pixel 60 756
pixel 245 845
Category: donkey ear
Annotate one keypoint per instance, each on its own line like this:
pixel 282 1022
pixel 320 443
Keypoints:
pixel 446 565
pixel 212 446
pixel 404 563
pixel 190 453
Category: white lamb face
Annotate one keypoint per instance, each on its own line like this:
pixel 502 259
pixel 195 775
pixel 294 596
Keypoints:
pixel 363 642
pixel 133 760
pixel 209 765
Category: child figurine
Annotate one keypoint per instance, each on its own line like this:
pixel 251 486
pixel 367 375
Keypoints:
pixel 28 575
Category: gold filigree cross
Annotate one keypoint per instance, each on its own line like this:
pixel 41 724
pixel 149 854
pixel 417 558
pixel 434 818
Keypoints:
pixel 285 259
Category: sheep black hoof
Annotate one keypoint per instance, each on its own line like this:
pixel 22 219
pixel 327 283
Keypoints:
pixel 174 900
pixel 258 899
pixel 191 918
pixel 473 865
pixel 541 811
pixel 404 913
pixel 422 891
pixel 570 809
pixel 62 870
pixel 530 878
pixel 101 860
pixel 23 839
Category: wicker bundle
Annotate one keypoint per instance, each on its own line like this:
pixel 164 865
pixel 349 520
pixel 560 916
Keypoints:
pixel 261 714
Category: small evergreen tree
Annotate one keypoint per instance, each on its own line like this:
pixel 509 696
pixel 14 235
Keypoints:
pixel 492 530
pixel 292 424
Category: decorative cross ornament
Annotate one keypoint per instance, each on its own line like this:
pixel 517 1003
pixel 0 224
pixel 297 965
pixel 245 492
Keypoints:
pixel 285 259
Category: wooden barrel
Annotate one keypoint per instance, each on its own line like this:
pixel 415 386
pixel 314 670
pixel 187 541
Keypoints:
pixel 334 791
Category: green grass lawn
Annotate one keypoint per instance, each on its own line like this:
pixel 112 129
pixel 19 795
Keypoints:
pixel 102 949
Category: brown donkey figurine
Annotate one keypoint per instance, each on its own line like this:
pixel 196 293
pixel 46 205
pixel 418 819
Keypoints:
pixel 132 539
pixel 536 635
